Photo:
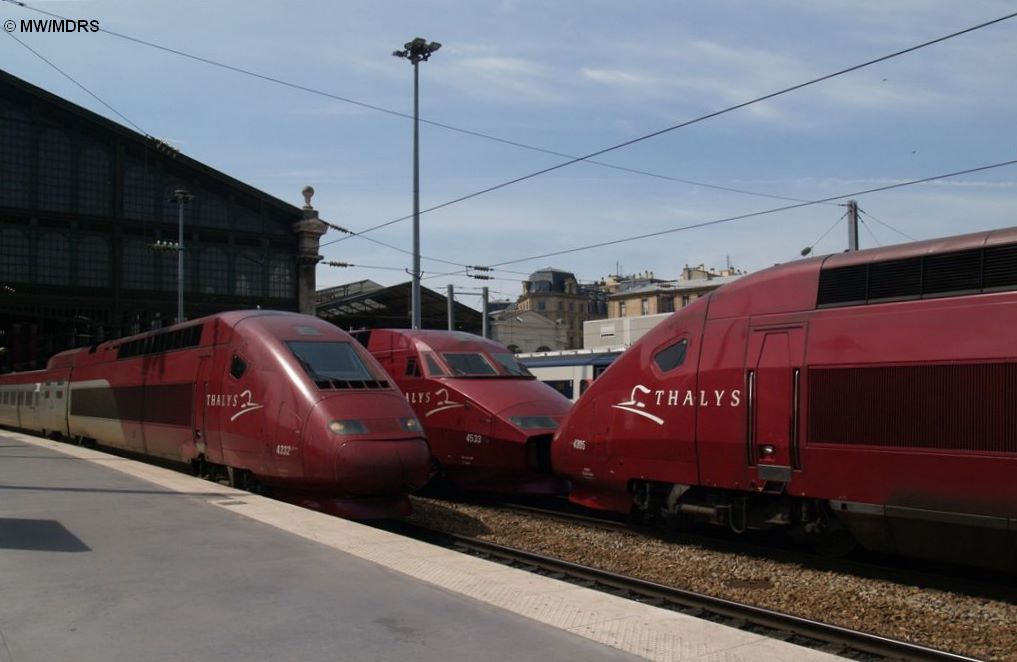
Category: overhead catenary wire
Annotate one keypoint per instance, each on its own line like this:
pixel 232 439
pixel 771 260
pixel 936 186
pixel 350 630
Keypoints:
pixel 764 212
pixel 469 132
pixel 871 233
pixel 811 247
pixel 701 118
pixel 72 79
pixel 887 225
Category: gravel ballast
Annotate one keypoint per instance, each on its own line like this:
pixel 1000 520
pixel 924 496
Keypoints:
pixel 976 627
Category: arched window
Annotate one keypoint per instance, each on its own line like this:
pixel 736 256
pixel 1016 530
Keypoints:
pixel 214 274
pixel 15 157
pixel 94 181
pixel 139 190
pixel 93 262
pixel 250 268
pixel 14 255
pixel 543 348
pixel 56 169
pixel 139 265
pixel 54 265
pixel 514 349
pixel 281 277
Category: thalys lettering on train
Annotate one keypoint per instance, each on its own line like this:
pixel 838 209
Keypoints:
pixel 863 396
pixel 489 422
pixel 328 428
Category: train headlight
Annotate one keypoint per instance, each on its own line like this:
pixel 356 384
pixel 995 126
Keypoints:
pixel 348 427
pixel 410 424
pixel 533 422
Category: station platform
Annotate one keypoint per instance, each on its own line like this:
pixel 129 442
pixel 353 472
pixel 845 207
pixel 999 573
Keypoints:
pixel 104 558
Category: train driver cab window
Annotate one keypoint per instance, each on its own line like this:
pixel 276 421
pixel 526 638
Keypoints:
pixel 412 367
pixel 238 367
pixel 671 356
pixel 434 368
pixel 511 366
pixel 470 364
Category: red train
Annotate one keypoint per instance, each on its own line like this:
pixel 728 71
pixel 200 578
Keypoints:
pixel 489 422
pixel 262 398
pixel 870 395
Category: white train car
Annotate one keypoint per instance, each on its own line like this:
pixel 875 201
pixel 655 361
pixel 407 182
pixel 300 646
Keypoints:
pixel 570 371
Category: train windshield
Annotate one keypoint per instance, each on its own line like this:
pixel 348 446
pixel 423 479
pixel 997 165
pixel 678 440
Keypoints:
pixel 475 364
pixel 511 366
pixel 331 361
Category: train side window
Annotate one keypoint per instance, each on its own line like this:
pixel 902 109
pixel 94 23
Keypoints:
pixel 583 385
pixel 672 356
pixel 412 369
pixel 238 367
pixel 60 395
pixel 21 398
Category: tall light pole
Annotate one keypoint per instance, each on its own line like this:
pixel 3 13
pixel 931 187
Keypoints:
pixel 181 197
pixel 416 51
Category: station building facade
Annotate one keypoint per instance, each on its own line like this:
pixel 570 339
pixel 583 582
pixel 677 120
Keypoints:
pixel 83 201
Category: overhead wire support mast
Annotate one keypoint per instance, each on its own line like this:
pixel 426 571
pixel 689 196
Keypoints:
pixel 416 51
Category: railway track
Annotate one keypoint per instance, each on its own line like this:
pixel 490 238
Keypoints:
pixel 966 581
pixel 833 639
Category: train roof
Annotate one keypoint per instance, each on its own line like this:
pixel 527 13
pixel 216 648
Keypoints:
pixel 438 340
pixel 963 264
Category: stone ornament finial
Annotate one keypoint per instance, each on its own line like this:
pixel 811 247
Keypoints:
pixel 308 193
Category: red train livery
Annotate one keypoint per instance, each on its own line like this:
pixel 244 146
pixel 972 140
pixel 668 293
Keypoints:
pixel 275 399
pixel 873 392
pixel 489 422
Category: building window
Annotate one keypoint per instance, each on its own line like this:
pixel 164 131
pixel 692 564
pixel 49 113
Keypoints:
pixel 94 181
pixel 139 191
pixel 14 255
pixel 644 306
pixel 15 157
pixel 541 304
pixel 54 265
pixel 281 277
pixel 214 270
pixel 685 300
pixel 666 304
pixel 212 212
pixel 93 262
pixel 139 265
pixel 56 170
pixel 250 268
pixel 621 309
pixel 167 261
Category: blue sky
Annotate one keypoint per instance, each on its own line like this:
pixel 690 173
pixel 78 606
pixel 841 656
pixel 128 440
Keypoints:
pixel 574 78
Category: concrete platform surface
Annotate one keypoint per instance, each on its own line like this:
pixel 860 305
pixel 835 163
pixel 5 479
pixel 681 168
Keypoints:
pixel 104 558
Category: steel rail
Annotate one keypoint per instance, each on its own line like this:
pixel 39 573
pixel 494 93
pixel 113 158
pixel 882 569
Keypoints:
pixel 817 635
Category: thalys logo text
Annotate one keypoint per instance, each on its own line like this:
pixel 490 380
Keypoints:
pixel 243 400
pixel 439 399
pixel 641 395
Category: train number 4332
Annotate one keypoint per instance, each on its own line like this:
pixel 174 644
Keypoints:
pixel 285 450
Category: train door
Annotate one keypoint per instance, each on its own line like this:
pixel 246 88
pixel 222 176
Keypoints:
pixel 775 360
pixel 199 424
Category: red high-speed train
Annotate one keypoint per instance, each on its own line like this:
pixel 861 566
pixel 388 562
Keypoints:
pixel 263 398
pixel 489 422
pixel 872 393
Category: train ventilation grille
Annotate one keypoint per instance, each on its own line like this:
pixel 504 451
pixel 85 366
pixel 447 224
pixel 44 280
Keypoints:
pixel 990 269
pixel 351 383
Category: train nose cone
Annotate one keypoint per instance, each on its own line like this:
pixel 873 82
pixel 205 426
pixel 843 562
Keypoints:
pixel 382 467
